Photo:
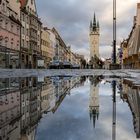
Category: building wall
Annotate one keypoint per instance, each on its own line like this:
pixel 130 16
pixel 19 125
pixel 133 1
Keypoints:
pixel 45 45
pixel 9 35
pixel 94 44
pixel 133 44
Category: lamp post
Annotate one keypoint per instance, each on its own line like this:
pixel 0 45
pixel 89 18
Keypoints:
pixel 114 31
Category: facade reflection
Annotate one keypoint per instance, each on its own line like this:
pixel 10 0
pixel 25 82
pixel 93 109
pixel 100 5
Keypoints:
pixel 23 101
pixel 130 93
pixel 9 109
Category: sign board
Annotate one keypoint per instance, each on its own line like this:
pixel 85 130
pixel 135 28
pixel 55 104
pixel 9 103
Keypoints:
pixel 40 63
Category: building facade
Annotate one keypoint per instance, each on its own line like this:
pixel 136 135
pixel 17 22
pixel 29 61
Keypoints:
pixel 132 46
pixel 9 34
pixel 94 38
pixel 30 35
pixel 45 45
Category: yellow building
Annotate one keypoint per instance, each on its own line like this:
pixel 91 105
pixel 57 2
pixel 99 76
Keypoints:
pixel 46 47
pixel 125 53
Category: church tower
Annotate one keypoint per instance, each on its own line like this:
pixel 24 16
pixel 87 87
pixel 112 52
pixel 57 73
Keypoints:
pixel 94 100
pixel 94 38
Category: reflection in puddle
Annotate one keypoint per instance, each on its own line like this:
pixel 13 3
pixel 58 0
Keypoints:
pixel 60 108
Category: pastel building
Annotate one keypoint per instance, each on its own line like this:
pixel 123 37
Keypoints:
pixel 9 33
pixel 30 35
pixel 47 46
pixel 9 111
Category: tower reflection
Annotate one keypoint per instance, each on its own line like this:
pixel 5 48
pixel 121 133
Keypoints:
pixel 94 99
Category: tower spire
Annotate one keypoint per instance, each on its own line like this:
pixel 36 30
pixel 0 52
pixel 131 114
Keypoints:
pixel 94 23
pixel 94 20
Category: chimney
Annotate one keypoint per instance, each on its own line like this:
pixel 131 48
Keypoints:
pixel 138 14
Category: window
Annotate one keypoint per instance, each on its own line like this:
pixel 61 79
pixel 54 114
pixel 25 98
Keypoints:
pixel 12 26
pixel 3 7
pixel 1 22
pixel 6 41
pixel 27 44
pixel 12 42
pixel 27 20
pixel 18 29
pixel 1 39
pixel 22 42
pixel 23 30
pixel 6 24
pixel 18 44
pixel 23 17
pixel 27 32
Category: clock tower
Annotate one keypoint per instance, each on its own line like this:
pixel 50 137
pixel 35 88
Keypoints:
pixel 94 38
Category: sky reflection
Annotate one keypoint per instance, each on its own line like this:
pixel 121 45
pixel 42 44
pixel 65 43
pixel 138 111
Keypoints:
pixel 72 119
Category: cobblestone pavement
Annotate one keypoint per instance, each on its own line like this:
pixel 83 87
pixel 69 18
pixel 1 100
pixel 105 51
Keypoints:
pixel 127 73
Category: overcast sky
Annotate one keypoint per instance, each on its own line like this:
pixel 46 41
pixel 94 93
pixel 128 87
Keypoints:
pixel 72 17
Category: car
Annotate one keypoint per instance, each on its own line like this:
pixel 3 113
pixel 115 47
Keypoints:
pixel 56 65
pixel 67 65
pixel 75 66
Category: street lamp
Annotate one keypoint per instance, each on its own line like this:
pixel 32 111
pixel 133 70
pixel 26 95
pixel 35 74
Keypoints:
pixel 114 31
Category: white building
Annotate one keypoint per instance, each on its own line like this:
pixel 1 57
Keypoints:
pixel 94 38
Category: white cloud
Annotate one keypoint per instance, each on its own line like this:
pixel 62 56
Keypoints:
pixel 72 19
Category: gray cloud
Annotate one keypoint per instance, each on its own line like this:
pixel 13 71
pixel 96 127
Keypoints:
pixel 72 18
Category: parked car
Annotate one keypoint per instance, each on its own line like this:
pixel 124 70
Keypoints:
pixel 56 65
pixel 75 66
pixel 67 65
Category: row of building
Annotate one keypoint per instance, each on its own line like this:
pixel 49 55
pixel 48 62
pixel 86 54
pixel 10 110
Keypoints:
pixel 129 53
pixel 25 42
pixel 23 101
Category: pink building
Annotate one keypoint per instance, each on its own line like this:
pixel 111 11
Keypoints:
pixel 9 34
